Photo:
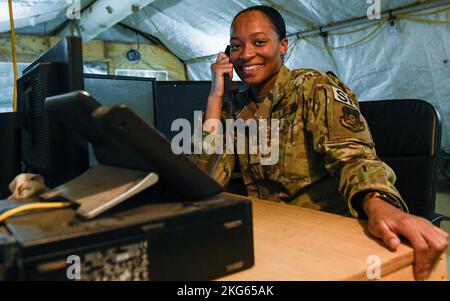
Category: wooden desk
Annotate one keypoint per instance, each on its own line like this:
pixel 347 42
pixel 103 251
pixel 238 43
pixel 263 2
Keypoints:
pixel 293 243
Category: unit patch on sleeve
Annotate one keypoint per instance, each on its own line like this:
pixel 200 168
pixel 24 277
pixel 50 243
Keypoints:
pixel 351 119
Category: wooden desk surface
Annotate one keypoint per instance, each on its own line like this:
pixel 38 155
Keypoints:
pixel 293 243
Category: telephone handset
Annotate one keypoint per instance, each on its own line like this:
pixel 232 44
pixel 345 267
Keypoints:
pixel 231 88
pixel 228 50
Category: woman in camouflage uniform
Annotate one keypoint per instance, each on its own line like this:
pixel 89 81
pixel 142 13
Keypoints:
pixel 327 159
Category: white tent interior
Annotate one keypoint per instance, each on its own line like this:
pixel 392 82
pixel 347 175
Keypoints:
pixel 403 53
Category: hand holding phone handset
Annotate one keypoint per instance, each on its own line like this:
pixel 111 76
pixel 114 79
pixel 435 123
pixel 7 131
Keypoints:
pixel 221 85
pixel 222 75
pixel 231 89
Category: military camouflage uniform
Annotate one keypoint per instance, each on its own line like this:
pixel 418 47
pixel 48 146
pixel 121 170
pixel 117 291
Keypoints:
pixel 326 154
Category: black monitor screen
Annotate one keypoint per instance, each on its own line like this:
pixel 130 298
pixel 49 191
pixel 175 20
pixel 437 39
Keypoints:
pixel 179 100
pixel 136 92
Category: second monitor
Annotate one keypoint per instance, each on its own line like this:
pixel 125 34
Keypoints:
pixel 136 92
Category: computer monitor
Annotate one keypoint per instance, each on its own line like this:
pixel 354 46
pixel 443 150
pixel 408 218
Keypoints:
pixel 136 92
pixel 179 99
pixel 47 148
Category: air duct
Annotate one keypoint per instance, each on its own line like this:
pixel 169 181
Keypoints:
pixel 106 13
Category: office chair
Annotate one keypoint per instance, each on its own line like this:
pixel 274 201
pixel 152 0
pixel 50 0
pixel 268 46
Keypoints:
pixel 445 165
pixel 407 136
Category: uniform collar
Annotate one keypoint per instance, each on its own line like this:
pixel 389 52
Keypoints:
pixel 279 89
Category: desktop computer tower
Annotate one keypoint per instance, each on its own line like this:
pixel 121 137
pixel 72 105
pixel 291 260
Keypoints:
pixel 156 239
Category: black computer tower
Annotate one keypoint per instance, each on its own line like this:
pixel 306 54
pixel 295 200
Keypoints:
pixel 154 240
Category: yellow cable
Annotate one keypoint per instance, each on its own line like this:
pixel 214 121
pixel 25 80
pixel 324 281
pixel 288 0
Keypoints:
pixel 33 206
pixel 365 38
pixel 356 30
pixel 354 44
pixel 405 17
pixel 13 50
pixel 429 13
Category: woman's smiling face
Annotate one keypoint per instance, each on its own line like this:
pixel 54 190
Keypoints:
pixel 256 50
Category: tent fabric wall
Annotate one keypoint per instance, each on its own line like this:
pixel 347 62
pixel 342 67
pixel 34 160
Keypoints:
pixel 409 60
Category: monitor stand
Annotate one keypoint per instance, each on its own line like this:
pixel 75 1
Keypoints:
pixel 102 187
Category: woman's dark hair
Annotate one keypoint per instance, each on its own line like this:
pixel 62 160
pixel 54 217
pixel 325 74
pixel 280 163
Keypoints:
pixel 272 14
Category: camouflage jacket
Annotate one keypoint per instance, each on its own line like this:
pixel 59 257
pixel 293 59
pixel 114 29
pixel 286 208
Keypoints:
pixel 326 152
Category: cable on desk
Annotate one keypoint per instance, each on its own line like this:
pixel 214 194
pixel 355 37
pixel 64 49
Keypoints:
pixel 32 206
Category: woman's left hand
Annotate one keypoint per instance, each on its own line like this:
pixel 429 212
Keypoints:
pixel 388 223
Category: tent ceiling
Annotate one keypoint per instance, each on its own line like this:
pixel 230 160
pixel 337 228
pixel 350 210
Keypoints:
pixel 191 28
pixel 29 13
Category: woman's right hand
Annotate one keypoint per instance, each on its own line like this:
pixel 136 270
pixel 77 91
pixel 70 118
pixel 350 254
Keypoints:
pixel 215 98
pixel 218 70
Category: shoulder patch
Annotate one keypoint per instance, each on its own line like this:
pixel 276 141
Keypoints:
pixel 342 97
pixel 351 119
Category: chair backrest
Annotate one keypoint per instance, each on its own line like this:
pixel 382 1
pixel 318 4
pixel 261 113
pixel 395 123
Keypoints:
pixel 407 136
